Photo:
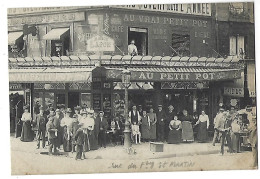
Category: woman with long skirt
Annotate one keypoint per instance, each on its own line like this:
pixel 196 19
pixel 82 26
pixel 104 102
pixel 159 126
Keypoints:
pixel 203 125
pixel 153 121
pixel 187 130
pixel 27 134
pixel 175 131
pixel 235 128
pixel 146 126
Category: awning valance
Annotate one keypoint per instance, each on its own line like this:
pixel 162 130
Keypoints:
pixel 176 74
pixel 55 34
pixel 51 75
pixel 13 36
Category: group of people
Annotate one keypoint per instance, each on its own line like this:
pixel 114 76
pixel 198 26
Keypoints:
pixel 229 123
pixel 167 126
pixel 83 131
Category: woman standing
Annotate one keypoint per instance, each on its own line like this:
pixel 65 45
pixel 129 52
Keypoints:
pixel 153 120
pixel 187 130
pixel 175 131
pixel 26 135
pixel 203 123
pixel 146 126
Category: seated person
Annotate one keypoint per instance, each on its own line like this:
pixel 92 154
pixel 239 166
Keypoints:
pixel 117 130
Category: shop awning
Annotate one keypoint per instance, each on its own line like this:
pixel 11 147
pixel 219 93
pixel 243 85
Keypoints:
pixel 176 74
pixel 13 36
pixel 51 75
pixel 55 34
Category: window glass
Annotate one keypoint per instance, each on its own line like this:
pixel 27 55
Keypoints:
pixel 181 44
pixel 49 98
pixel 86 99
pixel 60 100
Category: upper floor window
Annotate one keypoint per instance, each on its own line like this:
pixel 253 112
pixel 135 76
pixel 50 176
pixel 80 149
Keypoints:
pixel 236 45
pixel 181 44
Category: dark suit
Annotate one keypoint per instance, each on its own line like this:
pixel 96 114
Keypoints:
pixel 51 136
pixel 103 125
pixel 118 131
pixel 79 139
pixel 41 121
pixel 169 117
pixel 161 118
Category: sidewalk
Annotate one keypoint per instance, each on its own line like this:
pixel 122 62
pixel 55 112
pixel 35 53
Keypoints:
pixel 141 151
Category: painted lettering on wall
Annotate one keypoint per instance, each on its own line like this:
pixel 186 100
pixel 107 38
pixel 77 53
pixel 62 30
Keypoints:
pixel 195 8
pixel 164 20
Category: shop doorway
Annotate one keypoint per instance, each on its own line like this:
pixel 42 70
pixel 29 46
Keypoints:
pixel 146 100
pixel 73 99
pixel 140 35
pixel 180 100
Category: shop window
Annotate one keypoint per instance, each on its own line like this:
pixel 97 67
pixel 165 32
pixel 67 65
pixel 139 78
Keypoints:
pixel 49 98
pixel 181 44
pixel 60 48
pixel 60 100
pixel 86 99
pixel 140 36
pixel 107 105
pixel 73 99
pixel 237 45
pixel 60 41
pixel 119 105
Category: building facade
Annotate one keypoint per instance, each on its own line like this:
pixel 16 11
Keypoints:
pixel 75 56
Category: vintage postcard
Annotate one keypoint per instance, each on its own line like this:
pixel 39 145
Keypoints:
pixel 132 88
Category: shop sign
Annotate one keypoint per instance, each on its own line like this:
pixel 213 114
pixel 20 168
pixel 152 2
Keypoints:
pixel 14 86
pixel 100 43
pixel 27 10
pixel 50 77
pixel 184 85
pixel 252 94
pixel 238 92
pixel 203 9
pixel 176 76
pixel 46 19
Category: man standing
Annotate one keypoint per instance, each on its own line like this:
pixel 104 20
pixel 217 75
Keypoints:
pixel 103 125
pixel 56 122
pixel 161 117
pixel 132 49
pixel 41 121
pixel 216 119
pixel 52 135
pixel 223 125
pixel 134 116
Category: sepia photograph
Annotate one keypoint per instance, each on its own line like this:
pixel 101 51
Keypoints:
pixel 132 88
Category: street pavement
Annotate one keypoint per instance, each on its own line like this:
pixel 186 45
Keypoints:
pixel 27 159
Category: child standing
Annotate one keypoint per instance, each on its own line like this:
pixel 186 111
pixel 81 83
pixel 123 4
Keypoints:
pixel 79 138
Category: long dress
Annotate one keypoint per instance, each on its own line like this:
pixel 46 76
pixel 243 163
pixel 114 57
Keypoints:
pixel 174 136
pixel 88 125
pixel 203 124
pixel 153 120
pixel 27 134
pixel 145 127
pixel 235 128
